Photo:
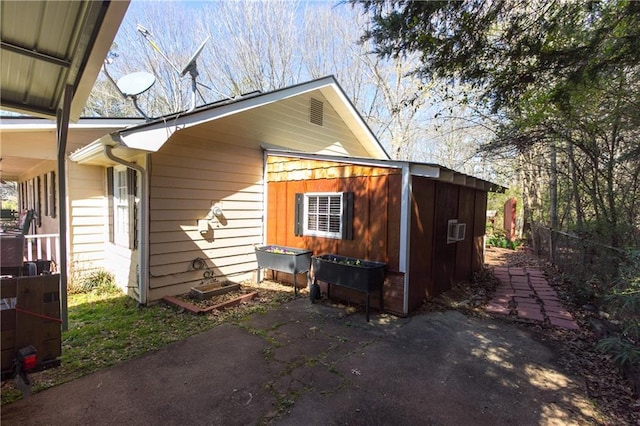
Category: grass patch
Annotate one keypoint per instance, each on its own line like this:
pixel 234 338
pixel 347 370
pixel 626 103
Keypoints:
pixel 107 328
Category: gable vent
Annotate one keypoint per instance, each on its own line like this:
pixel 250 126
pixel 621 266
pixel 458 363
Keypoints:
pixel 316 112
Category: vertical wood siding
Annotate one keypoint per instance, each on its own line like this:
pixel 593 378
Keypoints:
pixel 421 242
pixel 464 248
pixel 436 265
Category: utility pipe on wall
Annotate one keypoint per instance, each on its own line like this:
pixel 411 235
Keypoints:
pixel 143 232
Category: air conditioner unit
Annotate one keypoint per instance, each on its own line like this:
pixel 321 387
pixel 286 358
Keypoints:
pixel 455 231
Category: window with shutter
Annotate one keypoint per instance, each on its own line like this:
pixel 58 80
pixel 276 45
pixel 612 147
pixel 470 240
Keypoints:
pixel 326 215
pixel 121 187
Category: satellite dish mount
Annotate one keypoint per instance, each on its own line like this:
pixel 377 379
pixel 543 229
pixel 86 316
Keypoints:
pixel 192 69
pixel 132 85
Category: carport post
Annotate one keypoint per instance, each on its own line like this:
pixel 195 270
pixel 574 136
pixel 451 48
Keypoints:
pixel 62 123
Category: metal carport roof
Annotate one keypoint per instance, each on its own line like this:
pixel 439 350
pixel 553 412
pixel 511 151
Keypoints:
pixel 49 45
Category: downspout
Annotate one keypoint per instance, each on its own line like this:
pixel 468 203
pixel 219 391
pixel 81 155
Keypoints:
pixel 405 230
pixel 265 156
pixel 143 231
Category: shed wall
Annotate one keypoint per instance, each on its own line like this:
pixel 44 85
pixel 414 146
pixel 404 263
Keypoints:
pixel 376 219
pixel 435 264
pixel 421 243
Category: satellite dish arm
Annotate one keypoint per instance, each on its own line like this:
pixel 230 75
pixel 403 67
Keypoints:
pixel 135 104
pixel 104 69
pixel 147 35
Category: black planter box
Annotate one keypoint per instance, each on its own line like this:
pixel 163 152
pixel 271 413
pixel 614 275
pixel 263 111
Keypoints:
pixel 356 274
pixel 284 259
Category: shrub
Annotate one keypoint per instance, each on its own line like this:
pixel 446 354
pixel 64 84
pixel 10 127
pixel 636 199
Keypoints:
pixel 499 240
pixel 99 281
pixel 624 303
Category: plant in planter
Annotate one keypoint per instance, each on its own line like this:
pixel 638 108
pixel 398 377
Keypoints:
pixel 353 273
pixel 284 259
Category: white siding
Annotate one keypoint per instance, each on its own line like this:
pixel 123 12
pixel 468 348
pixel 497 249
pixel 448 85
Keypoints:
pixel 286 124
pixel 86 210
pixel 222 161
pixel 188 174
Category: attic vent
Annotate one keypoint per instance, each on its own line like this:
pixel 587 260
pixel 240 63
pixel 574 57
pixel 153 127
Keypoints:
pixel 316 112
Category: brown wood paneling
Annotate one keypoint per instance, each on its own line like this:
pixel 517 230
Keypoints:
pixel 377 245
pixel 444 258
pixel 464 248
pixel 479 230
pixel 394 203
pixel 376 221
pixel 421 241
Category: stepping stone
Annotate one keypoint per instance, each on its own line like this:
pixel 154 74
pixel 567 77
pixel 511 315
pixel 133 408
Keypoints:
pixel 524 299
pixel 562 313
pixel 497 309
pixel 525 296
pixel 531 314
pixel 520 278
pixel 548 298
pixel 538 284
pixel 517 272
pixel 521 285
pixel 562 323
pixel 546 293
pixel 561 316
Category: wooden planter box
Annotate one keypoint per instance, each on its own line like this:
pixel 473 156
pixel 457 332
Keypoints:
pixel 208 291
pixel 356 274
pixel 284 259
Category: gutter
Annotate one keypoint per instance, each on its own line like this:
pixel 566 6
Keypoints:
pixel 143 231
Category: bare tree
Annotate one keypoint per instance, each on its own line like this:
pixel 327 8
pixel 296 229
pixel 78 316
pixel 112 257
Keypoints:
pixel 267 45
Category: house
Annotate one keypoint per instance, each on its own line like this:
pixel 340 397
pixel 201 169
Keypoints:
pixel 185 198
pixel 427 223
pixel 29 157
pixel 156 186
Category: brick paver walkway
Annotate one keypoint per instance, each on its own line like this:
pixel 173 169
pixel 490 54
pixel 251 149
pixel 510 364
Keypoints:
pixel 526 293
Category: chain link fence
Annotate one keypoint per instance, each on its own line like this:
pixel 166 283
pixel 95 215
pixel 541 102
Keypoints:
pixel 592 267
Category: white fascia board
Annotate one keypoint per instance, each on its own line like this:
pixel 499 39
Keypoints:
pixel 92 150
pixel 425 170
pixel 151 137
pixel 34 124
pixel 360 161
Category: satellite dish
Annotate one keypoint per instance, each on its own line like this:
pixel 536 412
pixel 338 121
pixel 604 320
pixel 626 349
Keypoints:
pixel 135 83
pixel 191 65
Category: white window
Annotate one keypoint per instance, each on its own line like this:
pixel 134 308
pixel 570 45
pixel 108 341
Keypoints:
pixel 121 208
pixel 455 231
pixel 121 183
pixel 324 214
